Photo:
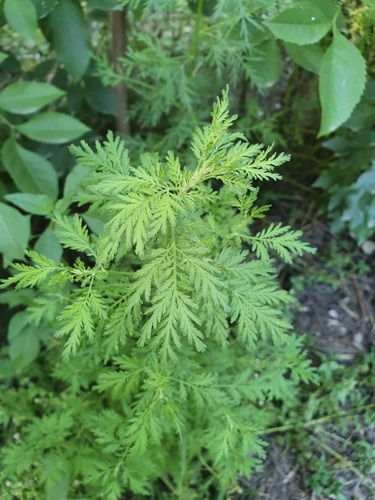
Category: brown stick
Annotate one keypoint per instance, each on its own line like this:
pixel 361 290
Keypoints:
pixel 117 20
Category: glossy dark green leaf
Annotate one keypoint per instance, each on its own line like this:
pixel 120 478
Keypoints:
pixel 22 17
pixel 14 231
pixel 30 172
pixel 53 128
pixel 342 81
pixel 70 37
pixel 27 97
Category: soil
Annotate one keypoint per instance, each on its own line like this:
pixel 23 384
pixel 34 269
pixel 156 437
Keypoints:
pixel 336 309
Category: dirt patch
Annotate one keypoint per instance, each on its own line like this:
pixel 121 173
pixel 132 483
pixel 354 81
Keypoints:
pixel 340 321
pixel 335 292
pixel 280 478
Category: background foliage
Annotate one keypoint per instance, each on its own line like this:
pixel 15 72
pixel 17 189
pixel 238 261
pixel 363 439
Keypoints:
pixel 149 70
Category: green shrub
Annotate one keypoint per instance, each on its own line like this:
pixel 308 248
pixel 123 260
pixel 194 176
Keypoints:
pixel 348 179
pixel 49 97
pixel 170 323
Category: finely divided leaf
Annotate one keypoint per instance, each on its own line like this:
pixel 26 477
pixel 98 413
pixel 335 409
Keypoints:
pixel 280 239
pixel 30 276
pixel 73 234
pixel 76 319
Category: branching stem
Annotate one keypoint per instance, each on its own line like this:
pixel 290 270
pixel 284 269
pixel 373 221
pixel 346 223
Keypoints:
pixel 310 423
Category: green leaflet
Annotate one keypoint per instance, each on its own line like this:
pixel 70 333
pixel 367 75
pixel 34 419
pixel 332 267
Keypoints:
pixel 53 128
pixel 48 245
pixel 309 57
pixel 44 7
pixel 39 204
pixel 264 70
pixel 27 97
pixel 15 232
pixel 70 37
pixel 23 341
pixel 340 84
pixel 303 23
pixel 22 16
pixel 30 172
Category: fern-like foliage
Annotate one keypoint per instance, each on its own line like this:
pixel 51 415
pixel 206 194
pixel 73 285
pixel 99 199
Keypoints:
pixel 158 210
pixel 186 289
pixel 191 50
pixel 163 310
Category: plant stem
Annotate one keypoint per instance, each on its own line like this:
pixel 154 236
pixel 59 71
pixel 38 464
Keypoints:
pixel 183 457
pixel 366 480
pixel 194 49
pixel 311 423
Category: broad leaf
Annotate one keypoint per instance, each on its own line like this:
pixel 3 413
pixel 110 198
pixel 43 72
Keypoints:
pixel 44 7
pixel 309 57
pixel 74 180
pixel 330 8
pixel 49 245
pixel 30 172
pixel 14 231
pixel 72 183
pixel 22 17
pixel 53 128
pixel 39 204
pixel 342 81
pixel 3 56
pixel 70 37
pixel 266 66
pixel 23 341
pixel 99 97
pixel 102 4
pixel 27 97
pixel 304 23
